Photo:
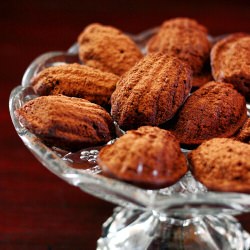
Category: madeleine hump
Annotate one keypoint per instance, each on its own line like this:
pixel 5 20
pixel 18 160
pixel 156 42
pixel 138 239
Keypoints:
pixel 230 61
pixel 184 38
pixel 76 80
pixel 107 48
pixel 222 164
pixel 148 157
pixel 151 92
pixel 214 110
pixel 67 122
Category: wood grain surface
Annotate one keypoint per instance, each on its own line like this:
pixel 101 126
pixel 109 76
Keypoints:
pixel 37 209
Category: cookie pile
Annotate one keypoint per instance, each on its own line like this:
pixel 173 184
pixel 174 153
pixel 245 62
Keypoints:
pixel 185 91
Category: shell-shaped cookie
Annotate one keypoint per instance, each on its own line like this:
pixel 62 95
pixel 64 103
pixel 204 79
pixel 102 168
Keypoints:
pixel 149 157
pixel 230 61
pixel 222 164
pixel 183 38
pixel 67 122
pixel 107 48
pixel 76 80
pixel 214 110
pixel 151 92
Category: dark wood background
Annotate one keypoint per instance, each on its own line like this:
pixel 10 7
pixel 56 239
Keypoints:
pixel 37 209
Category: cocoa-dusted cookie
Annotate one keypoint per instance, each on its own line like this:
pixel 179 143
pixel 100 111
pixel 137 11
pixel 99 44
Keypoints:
pixel 76 80
pixel 67 122
pixel 214 110
pixel 107 48
pixel 184 38
pixel 149 157
pixel 244 134
pixel 222 164
pixel 151 92
pixel 230 61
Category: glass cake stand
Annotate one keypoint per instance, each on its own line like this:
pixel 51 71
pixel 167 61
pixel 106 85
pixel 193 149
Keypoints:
pixel 182 216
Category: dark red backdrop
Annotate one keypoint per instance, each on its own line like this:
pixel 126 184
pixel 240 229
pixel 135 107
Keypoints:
pixel 37 209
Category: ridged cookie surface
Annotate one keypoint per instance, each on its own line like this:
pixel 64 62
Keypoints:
pixel 222 164
pixel 107 48
pixel 67 122
pixel 214 110
pixel 183 38
pixel 76 80
pixel 230 61
pixel 149 157
pixel 151 92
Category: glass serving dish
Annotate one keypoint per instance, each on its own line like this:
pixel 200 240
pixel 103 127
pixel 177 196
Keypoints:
pixel 183 216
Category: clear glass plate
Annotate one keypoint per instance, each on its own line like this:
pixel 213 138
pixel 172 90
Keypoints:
pixel 181 201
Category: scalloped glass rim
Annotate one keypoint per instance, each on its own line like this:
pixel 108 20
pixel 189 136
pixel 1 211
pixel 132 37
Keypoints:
pixel 163 201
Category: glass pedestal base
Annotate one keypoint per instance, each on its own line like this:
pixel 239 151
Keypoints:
pixel 137 230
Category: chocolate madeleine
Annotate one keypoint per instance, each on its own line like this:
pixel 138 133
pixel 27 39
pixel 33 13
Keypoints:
pixel 230 61
pixel 107 48
pixel 222 164
pixel 183 38
pixel 76 80
pixel 149 157
pixel 214 110
pixel 67 122
pixel 151 92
